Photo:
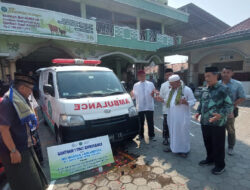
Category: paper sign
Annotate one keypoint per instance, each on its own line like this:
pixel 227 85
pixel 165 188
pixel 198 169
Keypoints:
pixel 72 158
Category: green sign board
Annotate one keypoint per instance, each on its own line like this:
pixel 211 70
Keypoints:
pixel 20 20
pixel 72 158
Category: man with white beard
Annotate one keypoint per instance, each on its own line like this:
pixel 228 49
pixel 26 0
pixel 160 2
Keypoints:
pixel 179 101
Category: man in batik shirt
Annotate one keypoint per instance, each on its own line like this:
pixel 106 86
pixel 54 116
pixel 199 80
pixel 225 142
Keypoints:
pixel 215 106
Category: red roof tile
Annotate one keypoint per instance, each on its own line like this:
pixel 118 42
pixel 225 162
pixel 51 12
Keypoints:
pixel 244 25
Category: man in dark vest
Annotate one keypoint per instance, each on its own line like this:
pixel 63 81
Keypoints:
pixel 17 121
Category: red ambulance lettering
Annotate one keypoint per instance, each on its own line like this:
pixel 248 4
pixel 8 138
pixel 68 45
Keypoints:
pixel 121 102
pixel 92 106
pixel 98 105
pixel 101 105
pixel 106 105
pixel 77 107
pixel 116 102
pixel 84 106
pixel 111 105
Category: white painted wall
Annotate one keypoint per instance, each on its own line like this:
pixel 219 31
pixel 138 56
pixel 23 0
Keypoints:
pixel 246 86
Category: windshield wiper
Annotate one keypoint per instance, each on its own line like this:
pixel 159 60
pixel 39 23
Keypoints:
pixel 97 95
pixel 77 96
pixel 114 93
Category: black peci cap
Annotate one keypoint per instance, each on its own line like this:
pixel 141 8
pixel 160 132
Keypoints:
pixel 168 70
pixel 211 69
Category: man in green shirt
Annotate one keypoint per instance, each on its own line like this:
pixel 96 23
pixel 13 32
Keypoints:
pixel 214 108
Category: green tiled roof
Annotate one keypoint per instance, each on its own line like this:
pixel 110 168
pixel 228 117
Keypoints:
pixel 157 9
pixel 207 42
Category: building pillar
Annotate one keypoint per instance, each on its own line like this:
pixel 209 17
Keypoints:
pixel 162 28
pixel 190 73
pixel 83 9
pixel 138 23
pixel 192 76
pixel 161 72
pixel 113 17
pixel 12 69
pixel 190 69
pixel 118 69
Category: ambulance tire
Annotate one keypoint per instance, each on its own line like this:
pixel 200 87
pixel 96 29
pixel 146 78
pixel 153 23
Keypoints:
pixel 45 122
pixel 58 135
pixel 130 139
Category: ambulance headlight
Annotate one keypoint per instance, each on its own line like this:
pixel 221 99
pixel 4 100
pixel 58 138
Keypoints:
pixel 132 111
pixel 71 120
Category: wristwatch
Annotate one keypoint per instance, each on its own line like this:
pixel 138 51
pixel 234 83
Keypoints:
pixel 13 150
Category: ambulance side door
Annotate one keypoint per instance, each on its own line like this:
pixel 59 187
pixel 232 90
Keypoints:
pixel 50 98
pixel 43 95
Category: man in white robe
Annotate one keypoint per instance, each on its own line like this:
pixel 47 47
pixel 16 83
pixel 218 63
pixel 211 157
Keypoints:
pixel 179 101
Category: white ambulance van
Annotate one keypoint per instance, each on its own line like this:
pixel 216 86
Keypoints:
pixel 80 102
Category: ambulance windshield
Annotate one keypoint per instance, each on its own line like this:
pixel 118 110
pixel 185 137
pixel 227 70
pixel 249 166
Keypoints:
pixel 80 84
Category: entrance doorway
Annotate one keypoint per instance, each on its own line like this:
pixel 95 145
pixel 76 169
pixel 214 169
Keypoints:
pixel 39 59
pixel 123 67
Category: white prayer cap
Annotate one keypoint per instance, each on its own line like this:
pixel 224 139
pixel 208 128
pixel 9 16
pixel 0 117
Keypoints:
pixel 174 78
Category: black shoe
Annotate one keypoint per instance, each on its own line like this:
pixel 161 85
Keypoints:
pixel 165 142
pixel 205 163
pixel 217 171
pixel 168 149
pixel 152 138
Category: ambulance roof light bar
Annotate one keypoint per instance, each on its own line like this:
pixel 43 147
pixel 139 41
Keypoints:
pixel 75 62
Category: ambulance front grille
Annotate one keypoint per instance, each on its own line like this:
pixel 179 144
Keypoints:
pixel 108 121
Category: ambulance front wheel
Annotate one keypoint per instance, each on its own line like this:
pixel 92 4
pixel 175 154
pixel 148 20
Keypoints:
pixel 58 135
pixel 45 122
pixel 130 139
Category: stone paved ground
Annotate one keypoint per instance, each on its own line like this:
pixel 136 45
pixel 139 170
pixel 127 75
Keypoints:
pixel 156 169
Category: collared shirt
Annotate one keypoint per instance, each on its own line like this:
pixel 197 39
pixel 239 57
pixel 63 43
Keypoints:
pixel 236 89
pixel 9 117
pixel 142 92
pixel 215 99
pixel 33 102
pixel 165 88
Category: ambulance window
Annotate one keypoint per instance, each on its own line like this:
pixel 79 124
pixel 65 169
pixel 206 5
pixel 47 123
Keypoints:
pixel 88 84
pixel 50 81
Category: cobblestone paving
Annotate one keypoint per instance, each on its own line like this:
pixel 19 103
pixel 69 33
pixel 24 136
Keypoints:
pixel 156 169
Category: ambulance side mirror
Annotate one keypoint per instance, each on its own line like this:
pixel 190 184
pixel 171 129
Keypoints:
pixel 48 89
pixel 124 84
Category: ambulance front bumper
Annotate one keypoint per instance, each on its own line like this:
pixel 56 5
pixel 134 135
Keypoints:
pixel 118 128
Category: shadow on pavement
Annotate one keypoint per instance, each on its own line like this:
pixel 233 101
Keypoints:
pixel 187 174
